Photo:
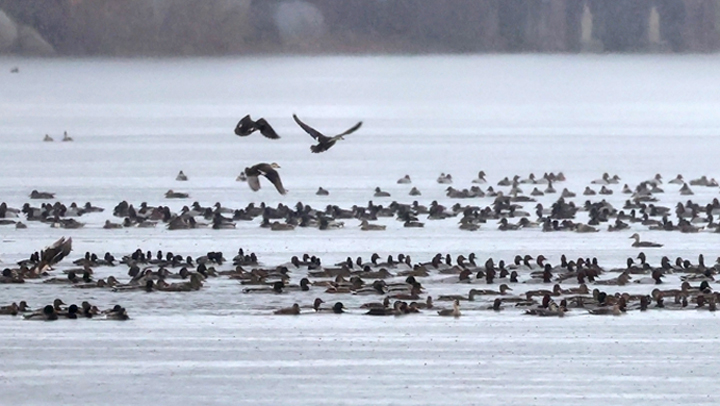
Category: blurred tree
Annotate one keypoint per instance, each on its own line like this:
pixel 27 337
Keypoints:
pixel 49 17
pixel 672 18
pixel 622 24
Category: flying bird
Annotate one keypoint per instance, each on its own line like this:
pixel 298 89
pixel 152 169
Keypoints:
pixel 324 142
pixel 267 170
pixel 247 126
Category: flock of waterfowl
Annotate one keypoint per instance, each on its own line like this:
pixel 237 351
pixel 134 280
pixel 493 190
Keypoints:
pixel 401 286
pixel 532 284
pixel 505 204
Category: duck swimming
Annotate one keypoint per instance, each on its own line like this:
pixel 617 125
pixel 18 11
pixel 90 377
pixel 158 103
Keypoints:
pixel 292 310
pixel 170 194
pixel 324 142
pixel 181 176
pixel 381 193
pixel 41 195
pixel 480 178
pixel 247 126
pixel 454 312
pixel 639 243
pixel 66 137
pixel 404 180
pixel 254 172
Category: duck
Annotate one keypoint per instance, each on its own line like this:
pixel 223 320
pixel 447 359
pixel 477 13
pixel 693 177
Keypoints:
pixel 589 192
pixel 551 310
pixel 404 180
pixel 685 190
pixel 48 313
pixel 181 177
pixel 454 312
pixel 171 194
pixel 377 305
pixel 470 297
pixel 116 313
pixel 292 310
pixel 12 309
pixel 48 138
pixel 385 311
pixel 480 178
pixel 195 283
pixel 414 192
pixel 639 243
pixel 338 308
pixel 380 193
pixel 247 126
pixel 606 310
pixel 365 226
pixel 254 172
pixel 322 192
pixel 41 195
pixel 444 179
pixel 605 180
pixel 678 180
pixel 66 137
pixel 324 142
pixel 110 225
pixel 701 181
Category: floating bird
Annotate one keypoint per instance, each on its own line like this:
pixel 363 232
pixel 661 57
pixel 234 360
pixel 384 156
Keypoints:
pixel 324 142
pixel 293 310
pixel 171 194
pixel 267 170
pixel 454 312
pixel 639 243
pixel 247 126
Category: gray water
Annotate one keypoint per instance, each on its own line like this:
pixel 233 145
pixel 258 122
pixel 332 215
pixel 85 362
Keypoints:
pixel 136 123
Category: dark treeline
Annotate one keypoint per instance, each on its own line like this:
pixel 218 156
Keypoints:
pixel 217 27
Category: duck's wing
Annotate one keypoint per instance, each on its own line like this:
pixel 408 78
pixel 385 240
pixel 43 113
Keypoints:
pixel 313 132
pixel 57 251
pixel 266 129
pixel 351 130
pixel 254 183
pixel 245 126
pixel 274 177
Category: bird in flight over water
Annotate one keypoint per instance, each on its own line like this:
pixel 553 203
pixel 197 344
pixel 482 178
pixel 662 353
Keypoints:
pixel 247 126
pixel 324 142
pixel 254 172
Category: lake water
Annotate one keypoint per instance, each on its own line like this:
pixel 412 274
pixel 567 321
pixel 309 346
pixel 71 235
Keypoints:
pixel 136 123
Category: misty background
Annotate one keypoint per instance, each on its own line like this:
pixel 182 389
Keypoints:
pixel 233 27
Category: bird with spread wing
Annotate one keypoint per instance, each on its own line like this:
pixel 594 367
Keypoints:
pixel 247 126
pixel 254 172
pixel 324 142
